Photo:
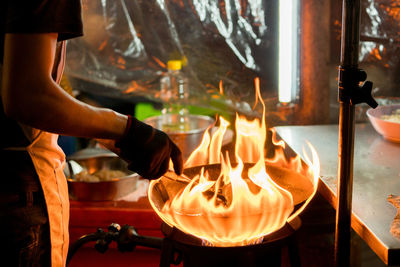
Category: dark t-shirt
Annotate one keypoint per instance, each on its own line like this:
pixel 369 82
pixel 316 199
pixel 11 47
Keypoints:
pixel 40 16
pixel 34 16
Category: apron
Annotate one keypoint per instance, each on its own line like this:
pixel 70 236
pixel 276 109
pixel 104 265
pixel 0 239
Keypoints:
pixel 49 161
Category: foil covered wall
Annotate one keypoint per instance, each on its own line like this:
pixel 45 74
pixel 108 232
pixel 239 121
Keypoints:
pixel 127 44
pixel 380 44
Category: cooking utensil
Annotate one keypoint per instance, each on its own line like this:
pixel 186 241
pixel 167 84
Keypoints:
pixel 73 168
pixel 186 180
pixel 175 177
pixel 93 160
pixel 171 184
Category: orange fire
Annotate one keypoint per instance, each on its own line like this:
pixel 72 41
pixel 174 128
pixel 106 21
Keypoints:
pixel 235 208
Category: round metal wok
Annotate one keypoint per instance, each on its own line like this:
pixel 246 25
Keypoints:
pixel 300 186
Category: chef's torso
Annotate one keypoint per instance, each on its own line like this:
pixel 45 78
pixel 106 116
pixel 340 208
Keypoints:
pixel 41 16
pixel 49 160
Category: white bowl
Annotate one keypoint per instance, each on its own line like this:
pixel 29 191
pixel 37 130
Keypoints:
pixel 388 129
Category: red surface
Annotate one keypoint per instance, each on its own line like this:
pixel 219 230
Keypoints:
pixel 88 257
pixel 86 217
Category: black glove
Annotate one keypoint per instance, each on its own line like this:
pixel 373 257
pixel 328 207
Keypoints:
pixel 148 150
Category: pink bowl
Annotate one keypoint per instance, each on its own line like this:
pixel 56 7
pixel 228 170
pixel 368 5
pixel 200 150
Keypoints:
pixel 389 130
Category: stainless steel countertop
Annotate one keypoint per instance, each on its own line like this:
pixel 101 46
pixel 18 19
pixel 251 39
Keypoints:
pixel 376 175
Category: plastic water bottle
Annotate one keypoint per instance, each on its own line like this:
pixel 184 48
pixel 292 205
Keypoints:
pixel 174 93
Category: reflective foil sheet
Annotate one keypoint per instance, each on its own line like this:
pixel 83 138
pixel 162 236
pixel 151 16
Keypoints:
pixel 127 44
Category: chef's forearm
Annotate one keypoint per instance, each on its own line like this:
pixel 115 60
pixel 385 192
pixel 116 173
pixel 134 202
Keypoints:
pixel 54 110
pixel 30 95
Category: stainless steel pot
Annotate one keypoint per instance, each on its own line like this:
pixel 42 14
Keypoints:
pixel 187 139
pixel 92 160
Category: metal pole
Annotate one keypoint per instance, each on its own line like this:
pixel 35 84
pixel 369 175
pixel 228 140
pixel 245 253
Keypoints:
pixel 349 61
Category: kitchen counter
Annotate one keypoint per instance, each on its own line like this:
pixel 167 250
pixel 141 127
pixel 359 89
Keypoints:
pixel 376 175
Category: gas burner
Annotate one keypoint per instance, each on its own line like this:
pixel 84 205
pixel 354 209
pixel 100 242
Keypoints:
pixel 192 251
pixel 178 247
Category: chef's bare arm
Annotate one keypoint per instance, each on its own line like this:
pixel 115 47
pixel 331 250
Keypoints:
pixel 31 96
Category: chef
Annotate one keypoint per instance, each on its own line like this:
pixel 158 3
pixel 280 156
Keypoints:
pixel 34 206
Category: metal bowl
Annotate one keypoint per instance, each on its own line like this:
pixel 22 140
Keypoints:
pixel 189 138
pixel 93 160
pixel 388 129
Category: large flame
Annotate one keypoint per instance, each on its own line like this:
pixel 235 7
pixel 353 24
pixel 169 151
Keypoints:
pixel 243 204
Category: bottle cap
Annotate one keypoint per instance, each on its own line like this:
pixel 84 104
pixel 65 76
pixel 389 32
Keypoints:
pixel 174 65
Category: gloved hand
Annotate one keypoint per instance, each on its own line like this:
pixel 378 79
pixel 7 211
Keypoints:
pixel 148 150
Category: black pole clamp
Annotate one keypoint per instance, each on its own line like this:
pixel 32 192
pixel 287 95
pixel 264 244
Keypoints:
pixel 353 88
